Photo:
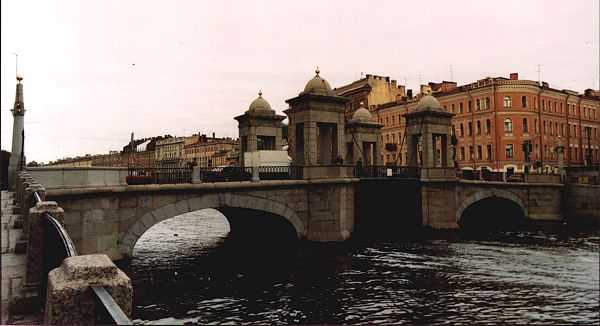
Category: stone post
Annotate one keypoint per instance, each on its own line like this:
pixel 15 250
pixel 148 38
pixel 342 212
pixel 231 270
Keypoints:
pixel 35 241
pixel 69 299
pixel 255 175
pixel 29 201
pixel 196 177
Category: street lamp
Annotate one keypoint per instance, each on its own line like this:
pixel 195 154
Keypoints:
pixel 527 152
pixel 454 142
pixel 588 156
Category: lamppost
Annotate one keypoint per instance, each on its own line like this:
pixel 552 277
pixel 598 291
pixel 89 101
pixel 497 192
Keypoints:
pixel 454 142
pixel 588 157
pixel 527 152
pixel 560 152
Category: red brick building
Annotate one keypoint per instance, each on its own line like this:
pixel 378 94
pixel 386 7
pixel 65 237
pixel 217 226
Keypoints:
pixel 495 116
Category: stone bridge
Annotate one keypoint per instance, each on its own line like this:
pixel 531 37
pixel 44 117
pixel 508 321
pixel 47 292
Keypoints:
pixel 110 219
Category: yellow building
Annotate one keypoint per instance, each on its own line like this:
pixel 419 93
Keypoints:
pixel 211 151
pixel 372 91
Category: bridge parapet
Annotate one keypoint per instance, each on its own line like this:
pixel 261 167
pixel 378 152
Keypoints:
pixel 47 243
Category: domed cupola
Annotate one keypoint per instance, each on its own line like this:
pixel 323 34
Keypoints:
pixel 429 103
pixel 362 114
pixel 260 106
pixel 318 85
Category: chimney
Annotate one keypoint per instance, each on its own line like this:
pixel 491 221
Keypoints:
pixel 213 135
pixel 514 76
pixel 409 93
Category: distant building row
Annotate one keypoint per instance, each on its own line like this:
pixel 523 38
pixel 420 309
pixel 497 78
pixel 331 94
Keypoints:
pixel 164 151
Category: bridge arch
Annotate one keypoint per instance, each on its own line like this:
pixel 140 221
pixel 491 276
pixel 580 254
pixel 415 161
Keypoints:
pixel 486 194
pixel 128 240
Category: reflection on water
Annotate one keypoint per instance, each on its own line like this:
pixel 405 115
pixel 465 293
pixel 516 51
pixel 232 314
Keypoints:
pixel 187 269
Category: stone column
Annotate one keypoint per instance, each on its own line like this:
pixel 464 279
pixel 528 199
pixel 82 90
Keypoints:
pixel 427 148
pixel 36 241
pixel 69 299
pixel 412 147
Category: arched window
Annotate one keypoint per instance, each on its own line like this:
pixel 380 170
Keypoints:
pixel 524 101
pixel 525 126
pixel 478 127
pixel 507 102
pixel 478 104
pixel 487 103
pixel 488 126
pixel 508 126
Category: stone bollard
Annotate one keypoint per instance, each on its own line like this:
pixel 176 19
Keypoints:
pixel 35 242
pixel 28 203
pixel 255 175
pixel 69 299
pixel 196 176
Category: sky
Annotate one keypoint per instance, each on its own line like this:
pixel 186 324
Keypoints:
pixel 95 71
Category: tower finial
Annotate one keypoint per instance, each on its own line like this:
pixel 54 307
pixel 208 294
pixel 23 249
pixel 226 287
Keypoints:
pixel 260 93
pixel 317 71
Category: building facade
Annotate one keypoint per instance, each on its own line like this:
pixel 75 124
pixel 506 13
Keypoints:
pixel 372 90
pixel 494 119
pixel 212 151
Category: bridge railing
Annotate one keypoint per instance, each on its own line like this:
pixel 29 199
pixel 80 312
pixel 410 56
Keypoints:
pixel 158 175
pixel 49 244
pixel 58 246
pixel 385 172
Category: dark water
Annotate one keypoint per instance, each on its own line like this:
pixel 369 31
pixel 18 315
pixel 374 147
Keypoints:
pixel 201 275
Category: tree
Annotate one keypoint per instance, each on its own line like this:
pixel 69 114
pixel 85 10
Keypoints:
pixel 33 164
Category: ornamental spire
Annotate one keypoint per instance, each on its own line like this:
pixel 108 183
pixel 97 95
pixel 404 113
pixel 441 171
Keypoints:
pixel 19 106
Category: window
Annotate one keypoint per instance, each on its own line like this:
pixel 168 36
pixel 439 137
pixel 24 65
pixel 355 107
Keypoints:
pixel 487 103
pixel 525 126
pixel 489 152
pixel 469 106
pixel 393 138
pixel 387 120
pixel 452 108
pixel 508 126
pixel 471 152
pixel 561 107
pixel 462 130
pixel 462 153
pixel 543 105
pixel 460 107
pixel 535 102
pixel 470 128
pixel 551 129
pixel 488 126
pixel 535 125
pixel 478 127
pixel 562 129
pixel 524 101
pixel 479 152
pixel 545 130
pixel 507 102
pixel 478 105
pixel 509 151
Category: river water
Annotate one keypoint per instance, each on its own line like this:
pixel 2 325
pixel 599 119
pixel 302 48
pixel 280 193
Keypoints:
pixel 188 270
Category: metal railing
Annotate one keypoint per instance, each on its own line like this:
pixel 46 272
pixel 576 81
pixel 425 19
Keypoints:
pixel 224 174
pixel 141 176
pixel 57 246
pixel 377 171
pixel 280 172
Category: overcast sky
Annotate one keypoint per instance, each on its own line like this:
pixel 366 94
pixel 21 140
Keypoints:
pixel 94 71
